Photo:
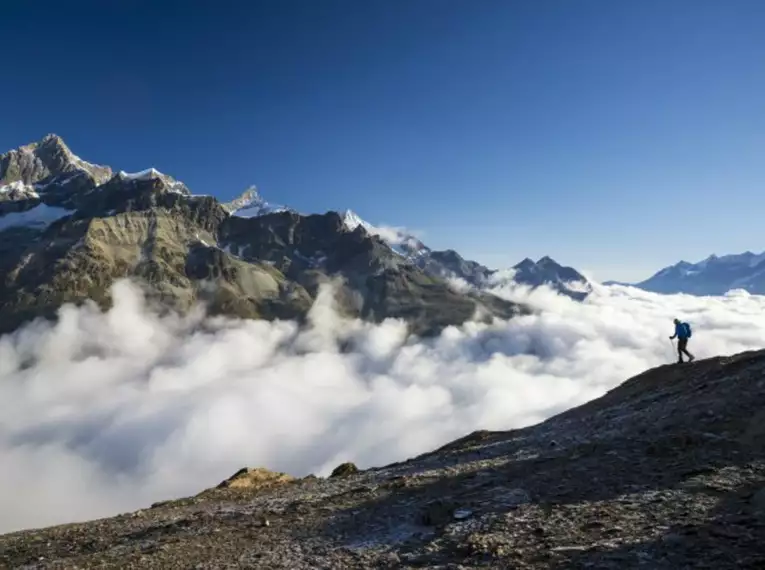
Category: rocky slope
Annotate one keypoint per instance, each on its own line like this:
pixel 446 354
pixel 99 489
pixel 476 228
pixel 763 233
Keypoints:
pixel 448 264
pixel 712 276
pixel 665 471
pixel 69 229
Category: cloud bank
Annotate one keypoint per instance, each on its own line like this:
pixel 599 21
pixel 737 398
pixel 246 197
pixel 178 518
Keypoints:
pixel 104 413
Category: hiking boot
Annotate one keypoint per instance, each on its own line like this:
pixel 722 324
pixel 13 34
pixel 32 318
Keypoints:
pixel 691 358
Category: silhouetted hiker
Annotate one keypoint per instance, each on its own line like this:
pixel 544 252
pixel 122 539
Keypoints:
pixel 683 333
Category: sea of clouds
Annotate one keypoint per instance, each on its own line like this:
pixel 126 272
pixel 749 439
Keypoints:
pixel 103 413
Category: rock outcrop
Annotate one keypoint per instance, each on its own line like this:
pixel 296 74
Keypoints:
pixel 665 471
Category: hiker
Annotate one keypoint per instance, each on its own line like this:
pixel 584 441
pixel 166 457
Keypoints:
pixel 683 333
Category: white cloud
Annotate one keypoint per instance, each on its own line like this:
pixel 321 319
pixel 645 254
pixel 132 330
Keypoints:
pixel 105 413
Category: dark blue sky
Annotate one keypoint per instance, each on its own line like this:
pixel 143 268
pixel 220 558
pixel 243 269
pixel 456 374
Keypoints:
pixel 614 136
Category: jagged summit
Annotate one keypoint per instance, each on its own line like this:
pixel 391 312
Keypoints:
pixel 443 264
pixel 547 271
pixel 524 263
pixel 251 204
pixel 546 260
pixel 351 221
pixel 48 161
pixel 50 140
pixel 664 471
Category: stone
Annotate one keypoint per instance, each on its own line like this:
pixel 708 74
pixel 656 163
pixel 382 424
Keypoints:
pixel 461 514
pixel 344 470
pixel 255 478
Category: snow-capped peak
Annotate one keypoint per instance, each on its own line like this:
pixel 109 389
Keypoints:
pixel 251 205
pixel 47 161
pixel 351 221
pixel 746 258
pixel 714 275
pixel 154 174
pixel 147 174
pixel 398 239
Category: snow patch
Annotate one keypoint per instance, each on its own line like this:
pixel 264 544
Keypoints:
pixel 313 261
pixel 19 186
pixel 204 243
pixel 153 174
pixel 90 168
pixel 40 217
pixel 147 174
pixel 256 211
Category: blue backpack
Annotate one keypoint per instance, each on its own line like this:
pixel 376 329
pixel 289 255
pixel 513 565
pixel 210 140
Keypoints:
pixel 687 329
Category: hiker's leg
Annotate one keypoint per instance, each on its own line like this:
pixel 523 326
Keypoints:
pixel 681 348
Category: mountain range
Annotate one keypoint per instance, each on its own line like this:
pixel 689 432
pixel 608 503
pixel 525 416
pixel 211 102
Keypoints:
pixel 446 264
pixel 69 229
pixel 711 276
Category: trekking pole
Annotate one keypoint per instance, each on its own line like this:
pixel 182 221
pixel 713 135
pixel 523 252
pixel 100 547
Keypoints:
pixel 672 342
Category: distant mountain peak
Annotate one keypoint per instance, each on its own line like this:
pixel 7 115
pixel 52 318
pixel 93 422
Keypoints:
pixel 547 271
pixel 351 221
pixel 250 204
pixel 247 198
pixel 714 275
pixel 526 262
pixel 546 260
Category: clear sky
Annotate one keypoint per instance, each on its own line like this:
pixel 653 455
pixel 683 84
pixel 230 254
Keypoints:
pixel 617 137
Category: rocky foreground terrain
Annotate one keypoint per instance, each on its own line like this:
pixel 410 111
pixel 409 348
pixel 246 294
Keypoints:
pixel 666 471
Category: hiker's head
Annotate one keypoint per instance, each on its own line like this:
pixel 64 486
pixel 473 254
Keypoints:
pixel 677 321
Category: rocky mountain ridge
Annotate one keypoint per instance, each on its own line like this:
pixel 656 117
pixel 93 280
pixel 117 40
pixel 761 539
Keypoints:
pixel 665 471
pixel 715 275
pixel 71 228
pixel 448 264
pixel 444 264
